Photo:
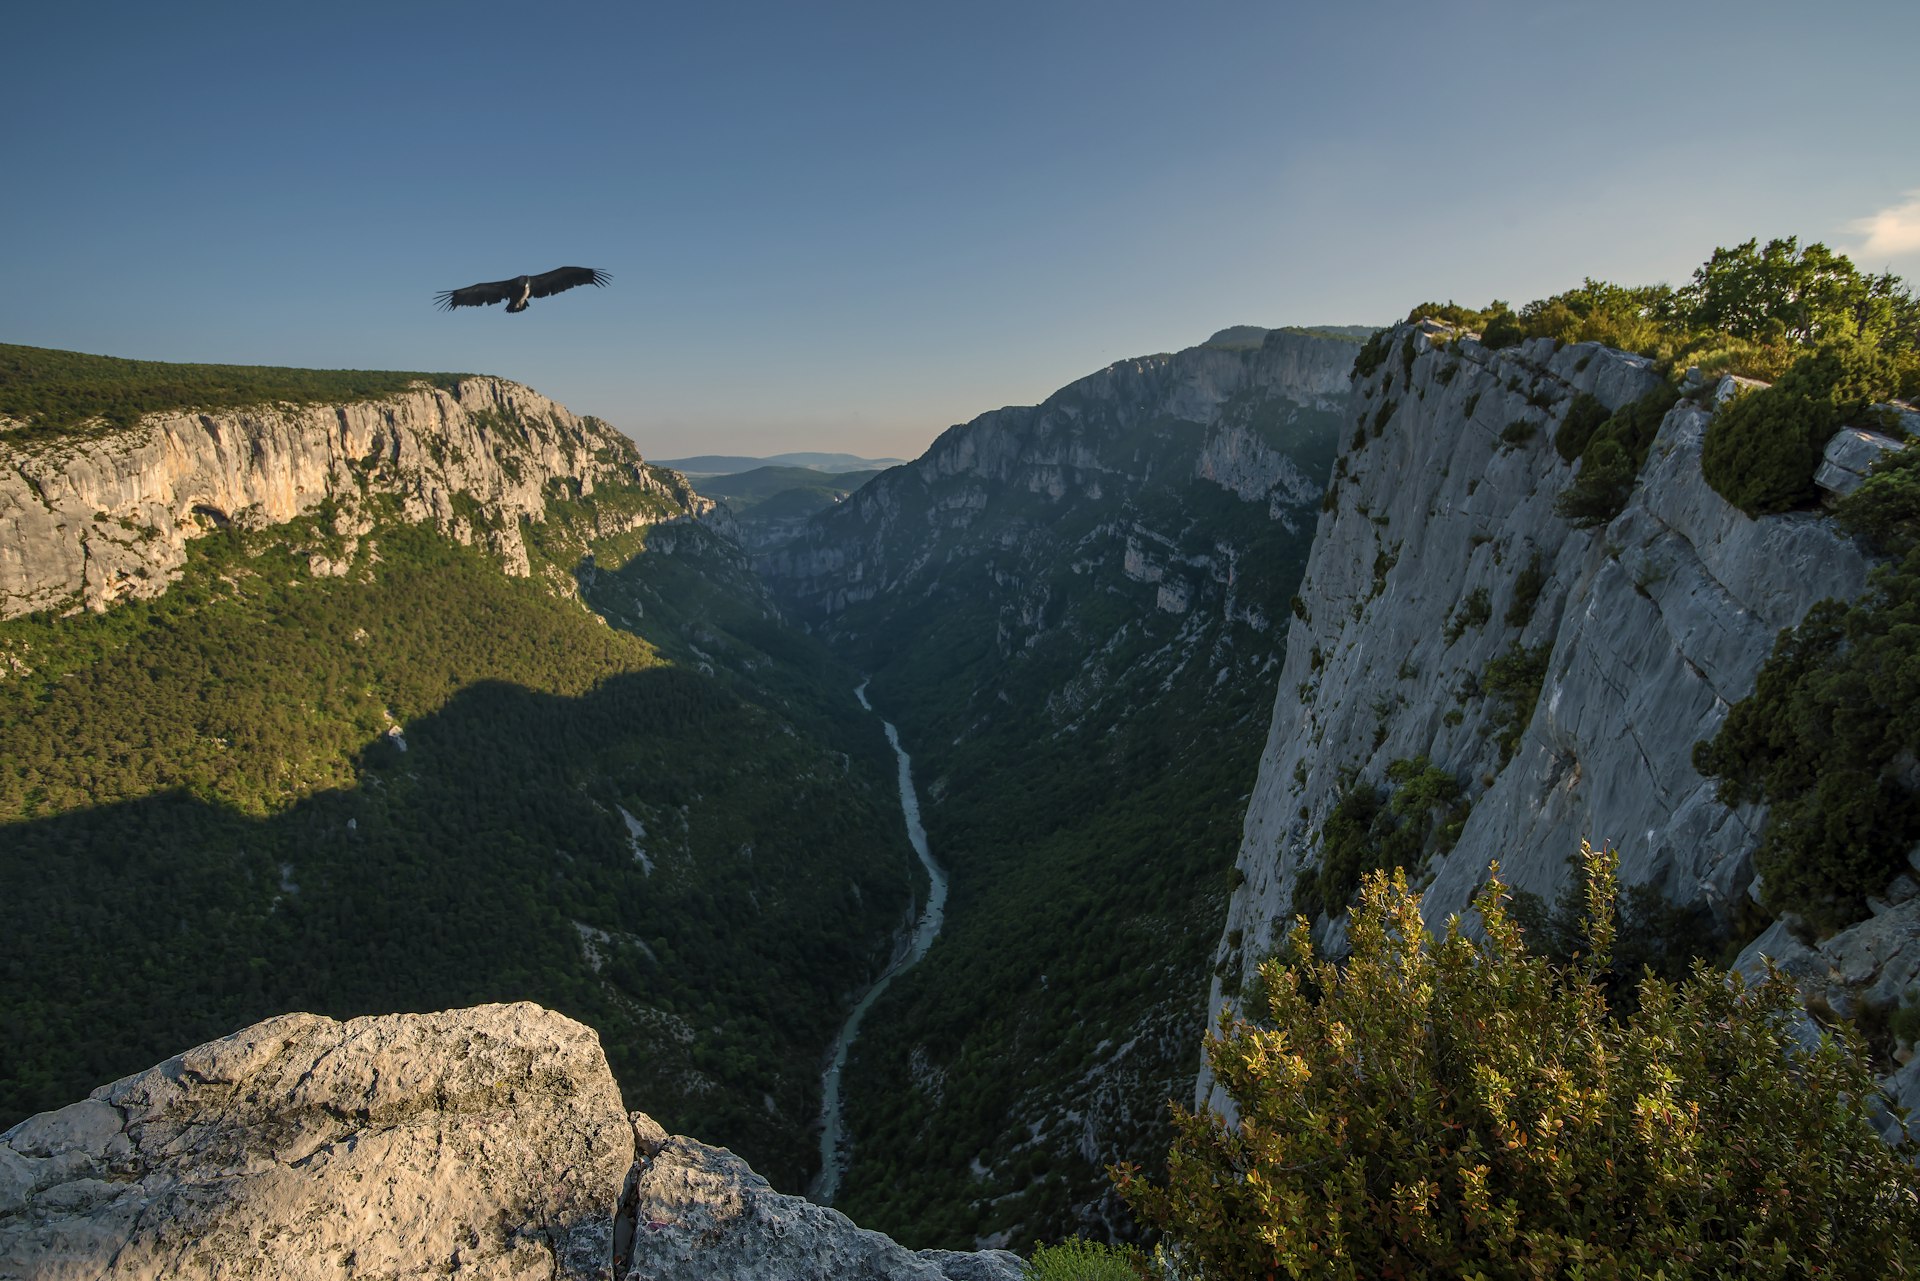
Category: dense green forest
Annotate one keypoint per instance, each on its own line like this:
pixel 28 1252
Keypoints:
pixel 1087 790
pixel 52 393
pixel 426 784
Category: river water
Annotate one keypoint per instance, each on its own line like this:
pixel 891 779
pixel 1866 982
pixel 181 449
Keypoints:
pixel 832 1161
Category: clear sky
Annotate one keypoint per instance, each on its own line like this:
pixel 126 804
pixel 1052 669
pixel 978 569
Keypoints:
pixel 847 226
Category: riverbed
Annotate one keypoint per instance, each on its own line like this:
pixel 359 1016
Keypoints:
pixel 832 1160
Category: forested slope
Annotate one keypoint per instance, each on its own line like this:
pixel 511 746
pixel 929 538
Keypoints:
pixel 347 764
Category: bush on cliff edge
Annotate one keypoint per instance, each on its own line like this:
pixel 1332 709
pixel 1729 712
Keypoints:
pixel 1462 1108
pixel 1761 451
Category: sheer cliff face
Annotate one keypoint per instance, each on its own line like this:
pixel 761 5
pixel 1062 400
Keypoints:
pixel 98 519
pixel 1649 627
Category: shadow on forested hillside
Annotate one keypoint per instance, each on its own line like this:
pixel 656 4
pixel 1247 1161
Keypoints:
pixel 481 857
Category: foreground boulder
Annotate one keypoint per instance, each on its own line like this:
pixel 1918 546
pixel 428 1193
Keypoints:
pixel 487 1142
pixel 700 1213
pixel 481 1143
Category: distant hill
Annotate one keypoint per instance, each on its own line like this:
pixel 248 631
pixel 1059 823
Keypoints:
pixel 773 503
pixel 744 489
pixel 732 464
pixel 1251 337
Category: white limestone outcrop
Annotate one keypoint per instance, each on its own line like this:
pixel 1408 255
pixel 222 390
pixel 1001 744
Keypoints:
pixel 1650 628
pixel 486 1143
pixel 91 519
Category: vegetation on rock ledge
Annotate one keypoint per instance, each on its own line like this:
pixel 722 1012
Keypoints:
pixel 1463 1108
pixel 51 393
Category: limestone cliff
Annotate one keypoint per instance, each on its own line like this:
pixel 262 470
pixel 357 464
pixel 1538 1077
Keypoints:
pixel 96 518
pixel 487 1142
pixel 1097 441
pixel 1437 552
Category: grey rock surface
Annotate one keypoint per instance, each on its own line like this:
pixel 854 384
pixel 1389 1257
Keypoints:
pixel 1649 629
pixel 1844 462
pixel 700 1214
pixel 487 1142
pixel 95 519
pixel 896 534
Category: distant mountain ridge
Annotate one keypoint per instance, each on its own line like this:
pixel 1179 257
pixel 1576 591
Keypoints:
pixel 703 465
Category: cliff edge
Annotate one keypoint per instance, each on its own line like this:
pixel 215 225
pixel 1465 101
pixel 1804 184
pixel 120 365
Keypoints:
pixel 1559 676
pixel 95 518
pixel 487 1142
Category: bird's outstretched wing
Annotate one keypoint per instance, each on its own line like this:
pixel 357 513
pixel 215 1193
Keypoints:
pixel 477 295
pixel 548 283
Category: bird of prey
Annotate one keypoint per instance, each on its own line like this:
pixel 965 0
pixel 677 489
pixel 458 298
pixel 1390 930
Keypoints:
pixel 517 291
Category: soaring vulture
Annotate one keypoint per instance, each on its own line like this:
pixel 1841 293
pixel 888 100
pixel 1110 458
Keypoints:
pixel 517 291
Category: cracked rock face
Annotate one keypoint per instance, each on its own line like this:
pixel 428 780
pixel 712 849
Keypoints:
pixel 700 1213
pixel 486 1143
pixel 1648 629
pixel 95 520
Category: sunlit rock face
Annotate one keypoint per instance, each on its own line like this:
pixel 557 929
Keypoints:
pixel 95 519
pixel 1650 627
pixel 487 1142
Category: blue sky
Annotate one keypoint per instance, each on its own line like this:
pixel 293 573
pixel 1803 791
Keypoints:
pixel 847 226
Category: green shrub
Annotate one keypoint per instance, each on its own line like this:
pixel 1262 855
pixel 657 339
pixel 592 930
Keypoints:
pixel 1399 825
pixel 1474 611
pixel 1502 330
pixel 1611 459
pixel 1452 313
pixel 1373 353
pixel 1631 319
pixel 1653 934
pixel 1584 417
pixel 1460 1108
pixel 1885 510
pixel 1526 592
pixel 1519 432
pixel 1762 450
pixel 1514 679
pixel 1078 1259
pixel 1824 740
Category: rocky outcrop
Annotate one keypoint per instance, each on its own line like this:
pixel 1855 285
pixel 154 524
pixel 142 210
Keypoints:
pixel 487 1142
pixel 1440 553
pixel 91 519
pixel 700 1213
pixel 1848 457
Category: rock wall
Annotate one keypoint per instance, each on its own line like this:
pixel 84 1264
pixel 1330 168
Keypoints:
pixel 1083 445
pixel 89 520
pixel 489 1143
pixel 1651 627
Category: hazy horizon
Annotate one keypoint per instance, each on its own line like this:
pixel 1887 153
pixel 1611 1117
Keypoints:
pixel 848 229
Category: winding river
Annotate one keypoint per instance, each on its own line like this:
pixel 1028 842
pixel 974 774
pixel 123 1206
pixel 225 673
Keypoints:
pixel 832 1162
